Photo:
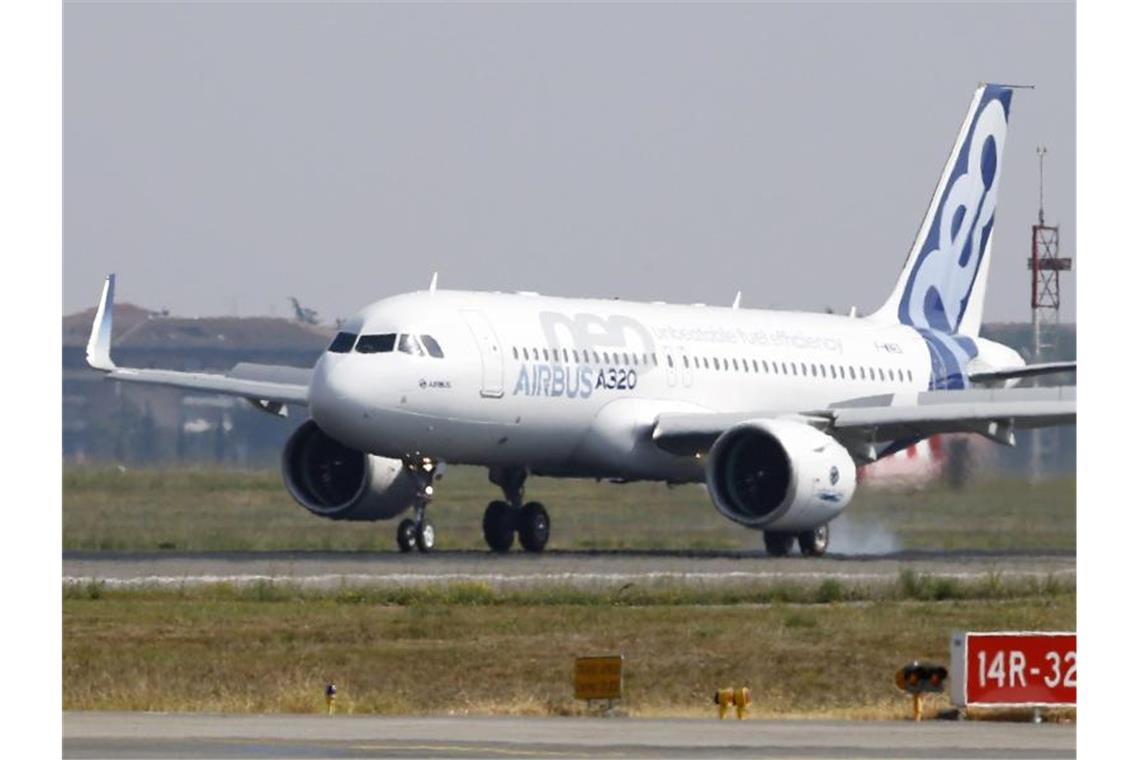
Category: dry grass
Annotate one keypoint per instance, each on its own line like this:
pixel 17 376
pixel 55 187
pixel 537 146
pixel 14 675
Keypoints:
pixel 191 510
pixel 226 650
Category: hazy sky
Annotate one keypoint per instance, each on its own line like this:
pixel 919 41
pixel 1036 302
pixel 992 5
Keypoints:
pixel 221 157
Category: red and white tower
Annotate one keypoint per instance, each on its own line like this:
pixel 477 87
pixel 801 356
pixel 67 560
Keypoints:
pixel 1045 266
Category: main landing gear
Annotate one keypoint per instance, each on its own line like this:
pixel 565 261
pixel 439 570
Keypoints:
pixel 418 532
pixel 503 519
pixel 813 543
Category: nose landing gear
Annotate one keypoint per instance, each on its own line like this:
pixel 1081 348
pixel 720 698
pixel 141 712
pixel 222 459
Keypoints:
pixel 418 532
pixel 503 519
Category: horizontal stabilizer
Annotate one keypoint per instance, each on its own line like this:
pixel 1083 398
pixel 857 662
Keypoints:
pixel 1028 370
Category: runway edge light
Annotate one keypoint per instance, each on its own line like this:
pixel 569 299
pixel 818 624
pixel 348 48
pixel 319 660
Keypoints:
pixel 919 679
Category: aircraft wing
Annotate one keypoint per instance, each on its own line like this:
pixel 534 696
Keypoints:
pixel 269 387
pixel 864 425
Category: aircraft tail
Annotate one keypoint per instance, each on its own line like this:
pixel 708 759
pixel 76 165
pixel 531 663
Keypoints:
pixel 943 283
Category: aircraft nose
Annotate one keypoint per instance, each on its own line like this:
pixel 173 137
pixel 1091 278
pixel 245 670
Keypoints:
pixel 334 400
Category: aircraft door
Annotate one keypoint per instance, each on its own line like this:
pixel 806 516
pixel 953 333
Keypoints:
pixel 489 351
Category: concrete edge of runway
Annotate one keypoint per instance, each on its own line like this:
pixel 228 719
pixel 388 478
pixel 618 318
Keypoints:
pixel 261 735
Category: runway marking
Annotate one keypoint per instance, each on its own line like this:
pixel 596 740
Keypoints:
pixel 463 748
pixel 575 578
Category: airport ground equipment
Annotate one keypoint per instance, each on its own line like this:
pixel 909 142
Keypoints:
pixel 599 678
pixel 1013 669
pixel 919 679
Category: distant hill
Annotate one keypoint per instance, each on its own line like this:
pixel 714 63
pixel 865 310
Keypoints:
pixel 139 328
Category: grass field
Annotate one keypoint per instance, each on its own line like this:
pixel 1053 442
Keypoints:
pixel 466 649
pixel 192 510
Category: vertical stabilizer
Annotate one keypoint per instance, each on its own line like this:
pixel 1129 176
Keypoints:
pixel 943 284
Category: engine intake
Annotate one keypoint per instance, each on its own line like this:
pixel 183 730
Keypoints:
pixel 332 480
pixel 779 475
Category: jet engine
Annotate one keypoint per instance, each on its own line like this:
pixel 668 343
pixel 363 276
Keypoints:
pixel 331 480
pixel 779 475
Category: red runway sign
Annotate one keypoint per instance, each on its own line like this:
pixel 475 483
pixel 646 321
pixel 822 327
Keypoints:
pixel 1013 668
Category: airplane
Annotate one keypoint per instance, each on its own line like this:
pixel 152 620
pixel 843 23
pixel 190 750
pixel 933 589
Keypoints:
pixel 771 410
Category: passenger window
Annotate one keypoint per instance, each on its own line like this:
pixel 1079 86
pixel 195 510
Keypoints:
pixel 376 344
pixel 705 360
pixel 716 363
pixel 545 355
pixel 575 355
pixel 565 356
pixel 515 351
pixel 669 360
pixel 596 359
pixel 685 359
pixel 635 360
pixel 735 366
pixel 882 377
pixel 435 351
pixel 813 370
pixel 744 364
pixel 765 365
pixel 625 359
pixel 342 343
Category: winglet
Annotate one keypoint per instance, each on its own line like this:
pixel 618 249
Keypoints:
pixel 736 301
pixel 434 282
pixel 99 344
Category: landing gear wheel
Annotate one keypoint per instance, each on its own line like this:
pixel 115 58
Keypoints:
pixel 499 526
pixel 813 543
pixel 778 544
pixel 425 535
pixel 406 535
pixel 534 527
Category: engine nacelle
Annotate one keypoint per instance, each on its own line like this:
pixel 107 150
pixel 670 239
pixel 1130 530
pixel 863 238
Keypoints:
pixel 331 480
pixel 779 475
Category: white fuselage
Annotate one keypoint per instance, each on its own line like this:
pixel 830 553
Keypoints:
pixel 572 386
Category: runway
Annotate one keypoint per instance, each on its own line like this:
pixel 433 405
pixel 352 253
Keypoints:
pixel 579 569
pixel 153 735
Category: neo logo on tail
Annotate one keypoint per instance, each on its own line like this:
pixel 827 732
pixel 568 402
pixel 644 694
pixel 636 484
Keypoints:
pixel 947 266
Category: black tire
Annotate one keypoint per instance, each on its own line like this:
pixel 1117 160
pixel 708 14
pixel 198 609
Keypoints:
pixel 499 526
pixel 425 536
pixel 778 544
pixel 406 535
pixel 534 527
pixel 813 543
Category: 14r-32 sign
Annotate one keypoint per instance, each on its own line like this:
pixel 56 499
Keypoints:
pixel 1013 668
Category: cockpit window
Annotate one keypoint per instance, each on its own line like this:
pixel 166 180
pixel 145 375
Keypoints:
pixel 376 344
pixel 342 343
pixel 409 345
pixel 432 346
